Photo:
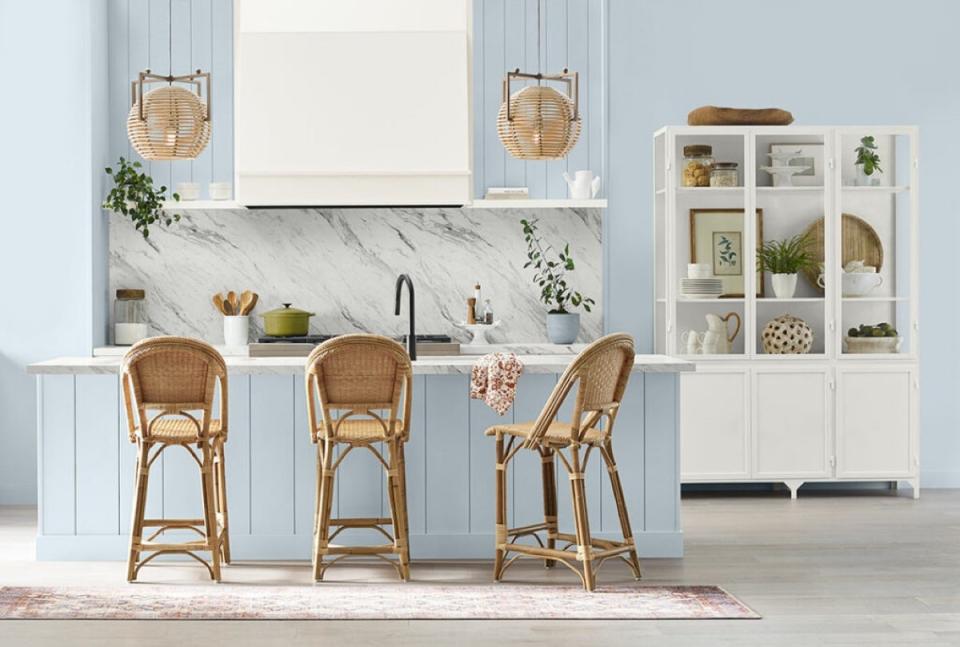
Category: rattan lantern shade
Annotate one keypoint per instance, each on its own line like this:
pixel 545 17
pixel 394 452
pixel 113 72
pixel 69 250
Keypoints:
pixel 543 124
pixel 175 124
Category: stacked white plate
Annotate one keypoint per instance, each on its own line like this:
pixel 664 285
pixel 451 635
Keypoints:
pixel 701 288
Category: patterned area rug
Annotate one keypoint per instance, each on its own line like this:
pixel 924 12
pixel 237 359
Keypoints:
pixel 334 601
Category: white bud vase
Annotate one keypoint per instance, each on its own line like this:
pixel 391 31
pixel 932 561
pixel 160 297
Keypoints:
pixel 784 285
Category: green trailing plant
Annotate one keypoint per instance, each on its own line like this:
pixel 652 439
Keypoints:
pixel 134 195
pixel 786 256
pixel 867 157
pixel 551 271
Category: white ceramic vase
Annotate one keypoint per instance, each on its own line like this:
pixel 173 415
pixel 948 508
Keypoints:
pixel 563 328
pixel 784 285
pixel 236 330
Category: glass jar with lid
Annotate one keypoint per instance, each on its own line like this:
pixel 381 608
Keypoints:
pixel 697 164
pixel 725 174
pixel 129 317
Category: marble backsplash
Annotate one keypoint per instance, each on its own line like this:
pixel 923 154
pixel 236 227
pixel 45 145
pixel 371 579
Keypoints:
pixel 342 265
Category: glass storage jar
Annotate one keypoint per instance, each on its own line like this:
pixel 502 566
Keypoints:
pixel 724 174
pixel 129 317
pixel 697 163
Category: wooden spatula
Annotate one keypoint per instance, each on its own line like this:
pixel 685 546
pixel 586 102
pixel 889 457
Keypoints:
pixel 218 303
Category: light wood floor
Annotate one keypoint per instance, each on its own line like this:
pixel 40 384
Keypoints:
pixel 828 569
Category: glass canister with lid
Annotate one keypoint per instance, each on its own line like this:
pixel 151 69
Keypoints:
pixel 725 174
pixel 697 165
pixel 129 317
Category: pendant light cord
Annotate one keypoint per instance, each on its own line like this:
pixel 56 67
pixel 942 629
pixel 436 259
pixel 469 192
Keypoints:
pixel 539 47
pixel 170 37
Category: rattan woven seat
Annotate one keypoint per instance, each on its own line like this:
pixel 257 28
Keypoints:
pixel 558 433
pixel 363 385
pixel 599 374
pixel 357 431
pixel 180 430
pixel 169 386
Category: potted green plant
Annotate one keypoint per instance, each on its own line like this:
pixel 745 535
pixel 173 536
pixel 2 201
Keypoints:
pixel 868 162
pixel 784 259
pixel 134 195
pixel 551 268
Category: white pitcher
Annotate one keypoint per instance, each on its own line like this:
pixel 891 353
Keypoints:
pixel 718 340
pixel 583 185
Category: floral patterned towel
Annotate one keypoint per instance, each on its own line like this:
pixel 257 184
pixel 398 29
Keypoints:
pixel 493 379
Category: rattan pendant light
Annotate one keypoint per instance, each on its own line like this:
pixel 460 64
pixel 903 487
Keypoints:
pixel 539 122
pixel 171 122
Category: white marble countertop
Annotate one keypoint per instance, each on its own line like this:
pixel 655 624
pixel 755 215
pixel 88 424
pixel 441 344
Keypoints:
pixel 452 365
pixel 520 348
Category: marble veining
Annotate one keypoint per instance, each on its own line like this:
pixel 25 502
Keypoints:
pixel 342 263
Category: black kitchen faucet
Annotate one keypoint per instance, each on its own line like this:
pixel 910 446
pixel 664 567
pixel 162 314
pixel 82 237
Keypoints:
pixel 412 337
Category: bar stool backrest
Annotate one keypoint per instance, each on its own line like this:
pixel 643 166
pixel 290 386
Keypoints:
pixel 359 375
pixel 600 372
pixel 173 376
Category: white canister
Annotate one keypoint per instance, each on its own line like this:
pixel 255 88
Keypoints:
pixel 220 190
pixel 236 330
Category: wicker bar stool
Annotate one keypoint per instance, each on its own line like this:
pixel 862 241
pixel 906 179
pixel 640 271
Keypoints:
pixel 366 382
pixel 600 372
pixel 175 379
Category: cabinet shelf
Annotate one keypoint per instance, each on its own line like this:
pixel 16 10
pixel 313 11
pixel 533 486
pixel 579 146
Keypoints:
pixel 791 300
pixel 876 189
pixel 790 189
pixel 201 205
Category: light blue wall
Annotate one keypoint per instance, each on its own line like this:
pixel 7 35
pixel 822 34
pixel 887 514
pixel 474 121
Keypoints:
pixel 571 34
pixel 53 63
pixel 883 62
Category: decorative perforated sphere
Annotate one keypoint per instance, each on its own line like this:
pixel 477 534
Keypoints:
pixel 541 125
pixel 174 126
pixel 787 335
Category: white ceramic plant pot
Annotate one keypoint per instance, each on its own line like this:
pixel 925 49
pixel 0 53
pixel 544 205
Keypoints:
pixel 563 328
pixel 236 330
pixel 784 285
pixel 862 179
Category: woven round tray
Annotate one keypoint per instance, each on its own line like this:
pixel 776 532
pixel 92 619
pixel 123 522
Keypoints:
pixel 859 241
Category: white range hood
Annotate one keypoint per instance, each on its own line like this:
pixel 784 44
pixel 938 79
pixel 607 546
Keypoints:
pixel 365 102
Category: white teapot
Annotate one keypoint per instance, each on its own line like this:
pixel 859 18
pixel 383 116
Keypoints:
pixel 583 185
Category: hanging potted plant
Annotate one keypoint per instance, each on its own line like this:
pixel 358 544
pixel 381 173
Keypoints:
pixel 134 196
pixel 551 268
pixel 868 162
pixel 784 259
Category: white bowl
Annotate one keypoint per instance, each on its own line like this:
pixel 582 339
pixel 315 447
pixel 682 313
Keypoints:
pixel 188 190
pixel 220 191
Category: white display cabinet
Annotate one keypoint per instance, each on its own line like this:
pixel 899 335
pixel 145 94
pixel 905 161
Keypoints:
pixel 835 412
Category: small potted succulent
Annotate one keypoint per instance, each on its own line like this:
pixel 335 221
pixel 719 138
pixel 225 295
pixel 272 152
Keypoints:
pixel 551 268
pixel 784 259
pixel 134 195
pixel 868 162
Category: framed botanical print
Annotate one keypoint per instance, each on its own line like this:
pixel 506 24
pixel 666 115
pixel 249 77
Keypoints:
pixel 809 155
pixel 716 238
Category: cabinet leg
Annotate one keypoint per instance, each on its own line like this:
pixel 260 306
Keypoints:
pixel 794 485
pixel 915 486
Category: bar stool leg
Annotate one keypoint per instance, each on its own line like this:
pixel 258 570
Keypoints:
pixel 325 474
pixel 396 490
pixel 549 501
pixel 501 512
pixel 221 479
pixel 607 453
pixel 209 509
pixel 141 481
pixel 584 547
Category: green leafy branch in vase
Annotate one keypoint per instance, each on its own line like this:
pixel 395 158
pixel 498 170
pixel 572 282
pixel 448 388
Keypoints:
pixel 788 256
pixel 134 196
pixel 867 157
pixel 551 270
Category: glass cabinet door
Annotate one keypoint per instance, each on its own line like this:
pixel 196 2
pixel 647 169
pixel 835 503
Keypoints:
pixel 876 251
pixel 793 198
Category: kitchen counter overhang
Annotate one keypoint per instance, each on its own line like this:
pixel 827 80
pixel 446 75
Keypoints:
pixel 86 462
pixel 440 365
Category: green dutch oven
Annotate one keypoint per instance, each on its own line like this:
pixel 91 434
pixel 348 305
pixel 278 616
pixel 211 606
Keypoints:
pixel 286 322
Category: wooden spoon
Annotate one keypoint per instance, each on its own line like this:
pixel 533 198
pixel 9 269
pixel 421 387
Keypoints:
pixel 248 300
pixel 227 308
pixel 218 303
pixel 234 304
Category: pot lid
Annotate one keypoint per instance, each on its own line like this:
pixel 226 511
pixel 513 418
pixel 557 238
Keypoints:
pixel 286 311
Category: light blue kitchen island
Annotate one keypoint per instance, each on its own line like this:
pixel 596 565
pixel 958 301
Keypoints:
pixel 86 462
